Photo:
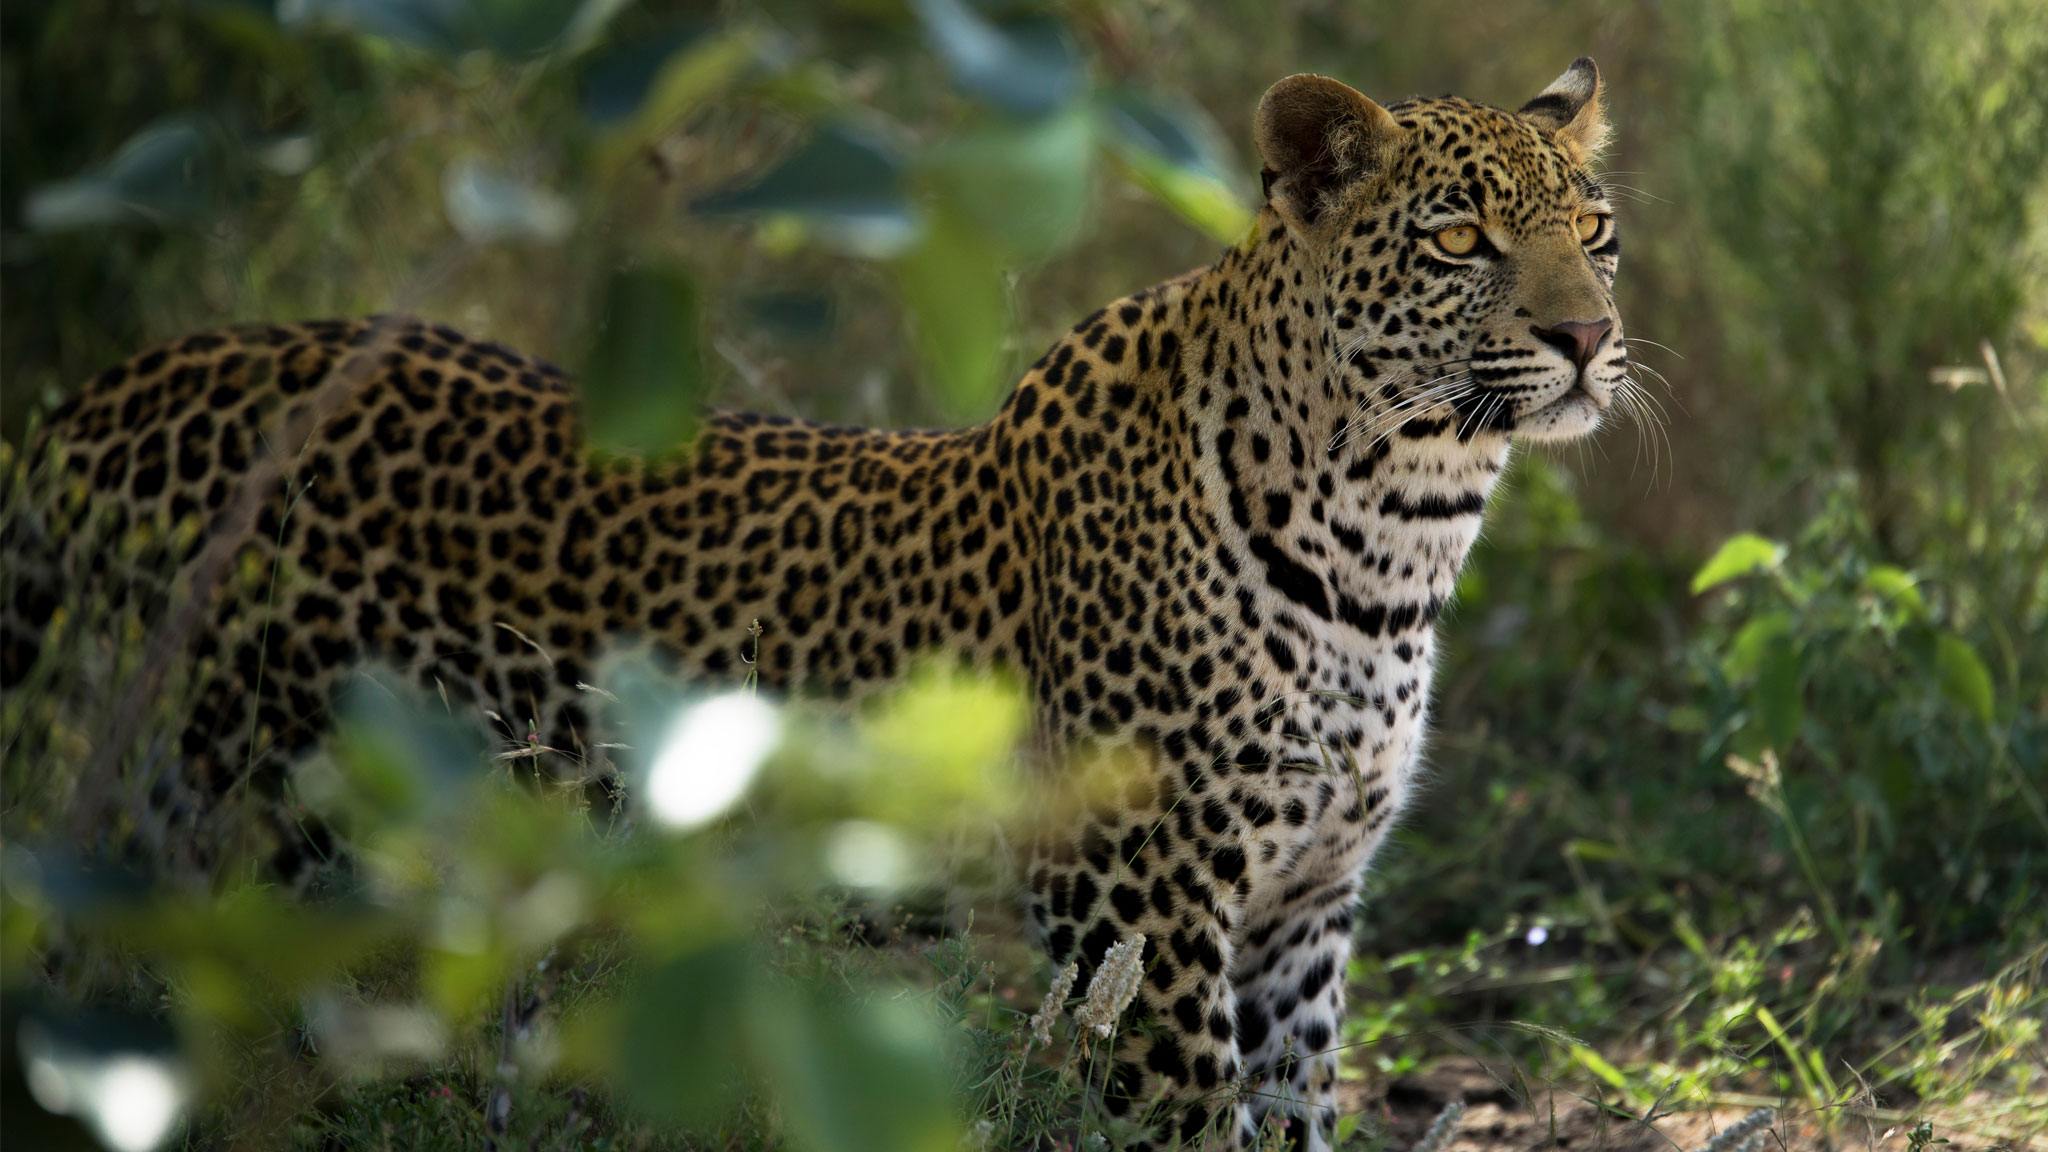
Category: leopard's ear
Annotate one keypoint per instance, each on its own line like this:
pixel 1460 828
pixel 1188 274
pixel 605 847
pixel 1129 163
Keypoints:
pixel 1569 111
pixel 1316 136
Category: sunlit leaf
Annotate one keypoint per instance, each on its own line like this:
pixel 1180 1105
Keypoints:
pixel 1022 185
pixel 1741 555
pixel 845 184
pixel 1026 67
pixel 943 748
pixel 681 1033
pixel 1599 1066
pixel 1777 699
pixel 1174 152
pixel 1964 678
pixel 1897 586
pixel 954 289
pixel 486 205
pixel 170 172
pixel 855 1077
pixel 460 982
pixel 644 380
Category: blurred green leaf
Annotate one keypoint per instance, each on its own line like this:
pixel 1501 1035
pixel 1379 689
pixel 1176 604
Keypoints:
pixel 1738 556
pixel 1965 679
pixel 401 757
pixel 71 886
pixel 941 750
pixel 460 983
pixel 1023 186
pixel 642 90
pixel 1747 650
pixel 233 954
pixel 1026 66
pixel 953 287
pixel 1897 586
pixel 680 1046
pixel 171 172
pixel 1777 698
pixel 644 382
pixel 1173 151
pixel 845 184
pixel 855 1076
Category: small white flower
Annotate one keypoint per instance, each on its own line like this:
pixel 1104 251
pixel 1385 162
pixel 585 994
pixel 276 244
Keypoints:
pixel 1115 985
pixel 1537 935
pixel 1054 1003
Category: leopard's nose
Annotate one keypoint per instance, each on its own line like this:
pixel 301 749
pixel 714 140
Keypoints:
pixel 1577 339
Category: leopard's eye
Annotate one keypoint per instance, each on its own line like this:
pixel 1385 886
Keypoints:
pixel 1589 224
pixel 1458 241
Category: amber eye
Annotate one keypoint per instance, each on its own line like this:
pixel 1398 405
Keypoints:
pixel 1459 241
pixel 1589 226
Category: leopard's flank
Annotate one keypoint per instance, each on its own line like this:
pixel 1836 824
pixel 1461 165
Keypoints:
pixel 1212 529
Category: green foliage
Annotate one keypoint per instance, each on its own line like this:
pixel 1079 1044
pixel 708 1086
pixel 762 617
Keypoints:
pixel 1739 556
pixel 644 381
pixel 474 888
pixel 1917 787
pixel 1757 757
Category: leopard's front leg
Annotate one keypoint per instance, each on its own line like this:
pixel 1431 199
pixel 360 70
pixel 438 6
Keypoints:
pixel 1288 974
pixel 1171 870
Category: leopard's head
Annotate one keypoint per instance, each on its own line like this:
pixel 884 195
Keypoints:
pixel 1467 253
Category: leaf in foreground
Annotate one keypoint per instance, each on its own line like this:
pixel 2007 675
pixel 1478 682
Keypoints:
pixel 1741 555
pixel 644 382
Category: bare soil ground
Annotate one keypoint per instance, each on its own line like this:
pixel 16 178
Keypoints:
pixel 1508 1112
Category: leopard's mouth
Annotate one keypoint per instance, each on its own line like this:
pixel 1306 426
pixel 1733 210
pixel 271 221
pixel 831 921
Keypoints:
pixel 1574 414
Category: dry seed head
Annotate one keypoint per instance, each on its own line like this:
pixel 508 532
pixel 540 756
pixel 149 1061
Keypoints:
pixel 1737 1136
pixel 1115 985
pixel 1055 1001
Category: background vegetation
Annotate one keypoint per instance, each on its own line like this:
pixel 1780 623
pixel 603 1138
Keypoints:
pixel 1742 766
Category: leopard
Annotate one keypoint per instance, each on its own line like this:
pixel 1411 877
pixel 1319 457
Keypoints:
pixel 1213 528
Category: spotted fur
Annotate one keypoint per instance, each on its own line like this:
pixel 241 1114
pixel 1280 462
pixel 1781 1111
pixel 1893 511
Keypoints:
pixel 1213 528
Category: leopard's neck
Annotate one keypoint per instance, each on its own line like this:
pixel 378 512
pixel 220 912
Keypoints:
pixel 1347 510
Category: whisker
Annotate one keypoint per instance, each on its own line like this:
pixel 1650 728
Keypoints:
pixel 1382 422
pixel 1653 344
pixel 1651 420
pixel 1423 392
pixel 1386 421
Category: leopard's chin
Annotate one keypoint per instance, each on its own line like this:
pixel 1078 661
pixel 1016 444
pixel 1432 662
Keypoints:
pixel 1570 416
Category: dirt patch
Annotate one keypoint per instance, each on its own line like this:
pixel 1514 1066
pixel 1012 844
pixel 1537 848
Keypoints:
pixel 1508 1111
